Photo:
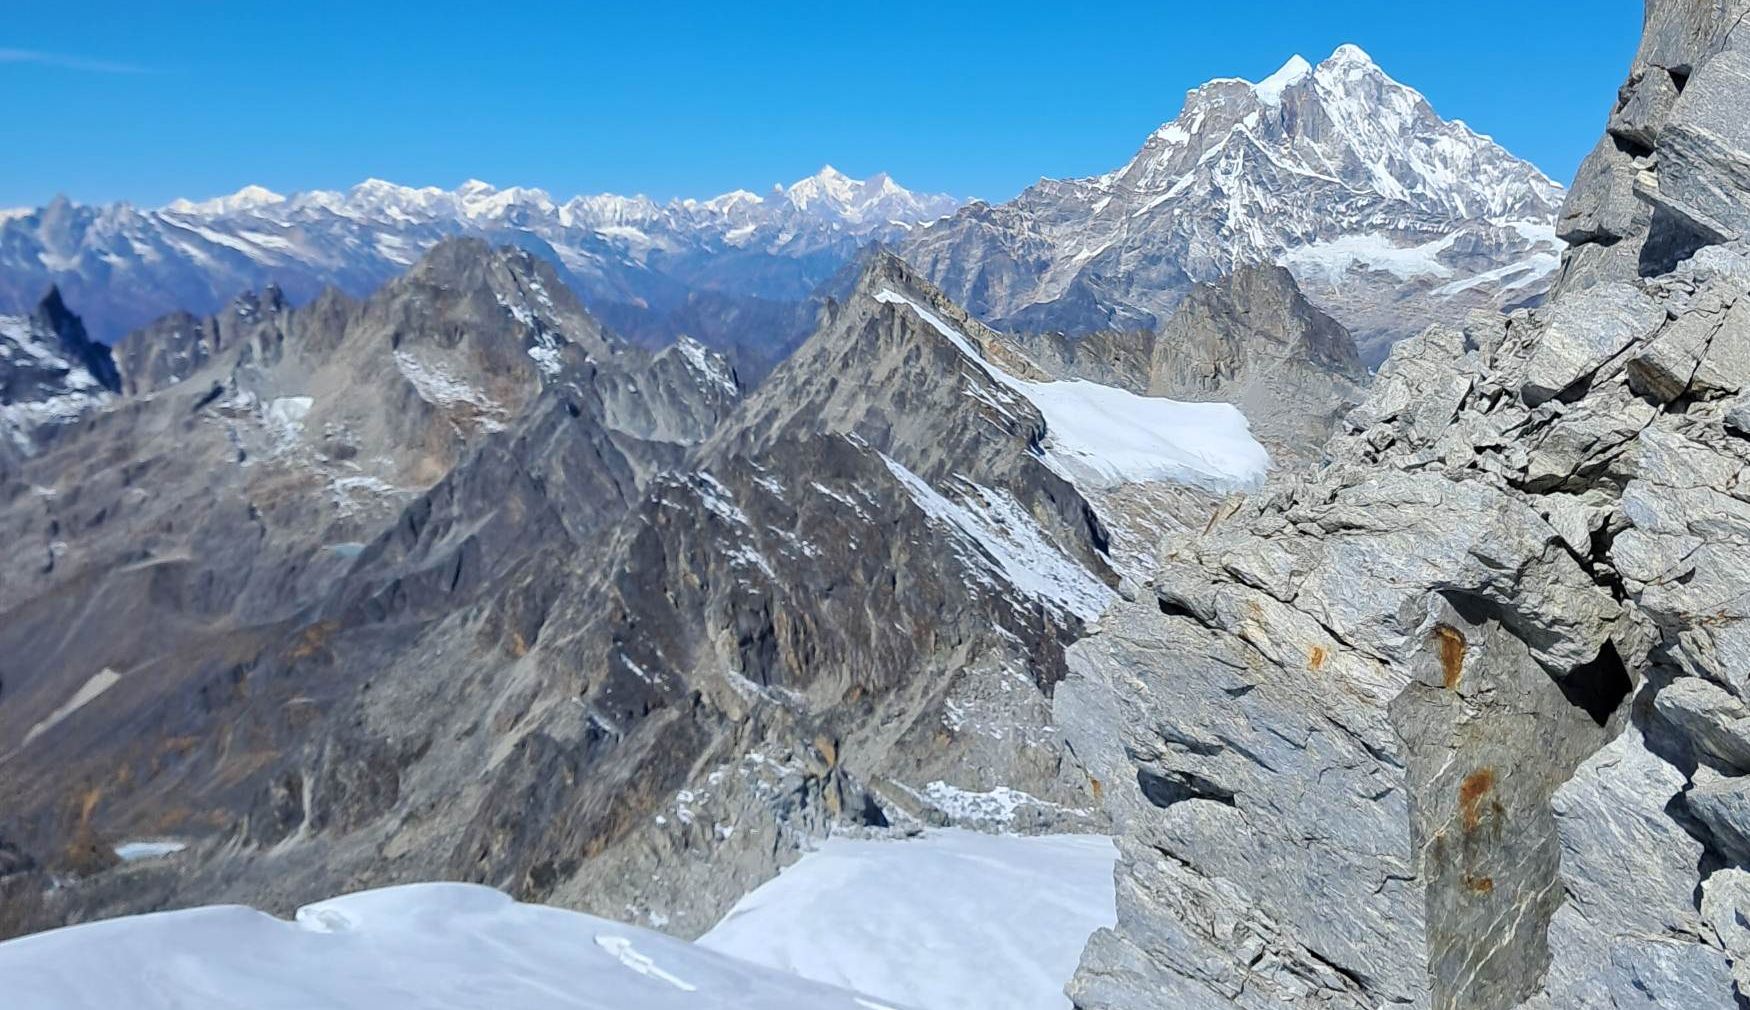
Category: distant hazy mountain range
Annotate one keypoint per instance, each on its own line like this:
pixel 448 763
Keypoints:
pixel 1386 214
pixel 634 259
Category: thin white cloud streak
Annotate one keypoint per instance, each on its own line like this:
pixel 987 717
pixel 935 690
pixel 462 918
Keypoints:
pixel 63 62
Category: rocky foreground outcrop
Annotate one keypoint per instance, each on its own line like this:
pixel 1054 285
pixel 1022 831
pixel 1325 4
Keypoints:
pixel 1461 719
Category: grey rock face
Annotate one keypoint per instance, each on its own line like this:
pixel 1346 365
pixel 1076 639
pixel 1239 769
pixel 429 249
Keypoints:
pixel 1704 164
pixel 1629 923
pixel 1513 594
pixel 1725 904
pixel 1723 804
pixel 1390 217
pixel 1610 219
pixel 1602 208
pixel 1481 814
pixel 1582 333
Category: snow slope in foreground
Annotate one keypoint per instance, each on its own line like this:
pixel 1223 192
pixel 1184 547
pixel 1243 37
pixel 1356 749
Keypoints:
pixel 954 920
pixel 1106 435
pixel 418 947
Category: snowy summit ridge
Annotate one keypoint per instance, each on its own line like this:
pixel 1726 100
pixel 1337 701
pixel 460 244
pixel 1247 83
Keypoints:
pixel 828 195
pixel 1269 90
pixel 1386 213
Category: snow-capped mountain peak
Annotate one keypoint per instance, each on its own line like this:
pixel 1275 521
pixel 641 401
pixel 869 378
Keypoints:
pixel 875 200
pixel 484 201
pixel 1350 53
pixel 828 187
pixel 1335 170
pixel 1269 90
pixel 247 198
pixel 1348 122
pixel 827 184
pixel 375 198
pixel 828 195
pixel 739 199
pixel 607 209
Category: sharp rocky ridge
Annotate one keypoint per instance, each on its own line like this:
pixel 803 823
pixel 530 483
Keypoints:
pixel 51 373
pixel 451 581
pixel 1389 216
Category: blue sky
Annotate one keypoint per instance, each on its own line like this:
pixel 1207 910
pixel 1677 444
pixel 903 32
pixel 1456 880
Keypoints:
pixel 146 102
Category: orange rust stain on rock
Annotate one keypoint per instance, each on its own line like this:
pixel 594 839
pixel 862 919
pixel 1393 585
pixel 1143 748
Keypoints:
pixel 88 804
pixel 312 639
pixel 1451 645
pixel 1480 885
pixel 1475 788
pixel 1316 656
pixel 1098 789
pixel 83 853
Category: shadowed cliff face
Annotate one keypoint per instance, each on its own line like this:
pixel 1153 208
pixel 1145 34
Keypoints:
pixel 1456 719
pixel 50 374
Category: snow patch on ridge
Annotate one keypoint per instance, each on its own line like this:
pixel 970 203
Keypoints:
pixel 992 519
pixel 417 947
pixel 437 386
pixel 706 365
pixel 129 852
pixel 994 808
pixel 1514 276
pixel 954 920
pixel 88 692
pixel 1107 436
pixel 1332 259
